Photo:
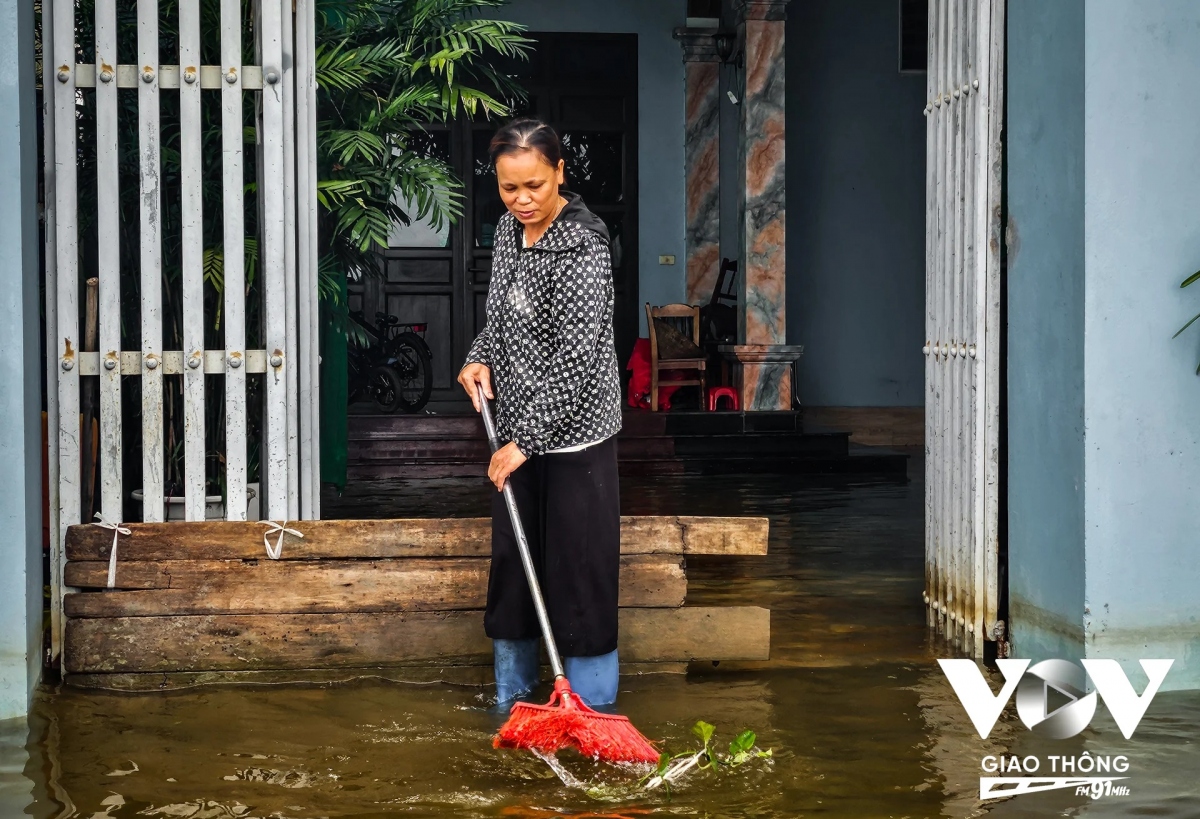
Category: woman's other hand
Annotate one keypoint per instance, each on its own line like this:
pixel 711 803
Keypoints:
pixel 473 374
pixel 505 462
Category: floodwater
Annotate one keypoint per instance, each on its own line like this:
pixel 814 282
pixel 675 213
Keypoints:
pixel 852 705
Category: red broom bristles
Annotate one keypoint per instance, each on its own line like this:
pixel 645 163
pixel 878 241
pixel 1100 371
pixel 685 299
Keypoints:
pixel 567 722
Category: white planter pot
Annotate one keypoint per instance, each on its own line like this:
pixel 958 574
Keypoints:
pixel 214 508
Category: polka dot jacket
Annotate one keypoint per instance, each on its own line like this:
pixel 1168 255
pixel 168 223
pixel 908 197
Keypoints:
pixel 548 339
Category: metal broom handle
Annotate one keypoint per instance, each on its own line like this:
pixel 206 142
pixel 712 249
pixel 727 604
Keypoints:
pixel 522 544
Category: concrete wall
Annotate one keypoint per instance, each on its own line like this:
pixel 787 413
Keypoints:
pixel 661 188
pixel 1142 400
pixel 1045 130
pixel 1104 473
pixel 855 206
pixel 20 365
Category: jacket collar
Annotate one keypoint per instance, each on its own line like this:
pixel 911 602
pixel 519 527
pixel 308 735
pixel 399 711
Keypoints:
pixel 564 233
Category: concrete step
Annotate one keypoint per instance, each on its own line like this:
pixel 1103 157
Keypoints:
pixel 874 465
pixel 688 442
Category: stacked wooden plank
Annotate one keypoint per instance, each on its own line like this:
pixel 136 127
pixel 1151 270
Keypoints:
pixel 203 599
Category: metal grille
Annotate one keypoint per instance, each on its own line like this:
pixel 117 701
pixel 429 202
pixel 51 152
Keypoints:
pixel 283 91
pixel 964 111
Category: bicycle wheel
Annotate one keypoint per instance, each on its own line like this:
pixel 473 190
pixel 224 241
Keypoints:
pixel 415 371
pixel 383 385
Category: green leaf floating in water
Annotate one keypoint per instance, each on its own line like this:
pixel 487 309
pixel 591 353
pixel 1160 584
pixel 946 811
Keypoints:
pixel 672 767
pixel 740 748
pixel 742 743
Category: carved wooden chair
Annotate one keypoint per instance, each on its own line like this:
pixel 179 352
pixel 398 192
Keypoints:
pixel 672 349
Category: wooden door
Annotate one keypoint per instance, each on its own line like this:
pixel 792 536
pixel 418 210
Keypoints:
pixel 585 86
pixel 962 365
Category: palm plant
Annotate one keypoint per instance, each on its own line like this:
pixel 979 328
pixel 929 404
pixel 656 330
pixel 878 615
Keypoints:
pixel 385 68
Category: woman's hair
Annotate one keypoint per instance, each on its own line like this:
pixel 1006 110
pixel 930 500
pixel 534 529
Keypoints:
pixel 526 134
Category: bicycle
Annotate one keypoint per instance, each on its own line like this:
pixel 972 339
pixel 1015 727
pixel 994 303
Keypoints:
pixel 370 377
pixel 399 368
pixel 413 360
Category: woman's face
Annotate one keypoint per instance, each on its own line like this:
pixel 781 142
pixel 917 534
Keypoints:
pixel 529 185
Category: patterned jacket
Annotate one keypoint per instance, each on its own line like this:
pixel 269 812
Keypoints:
pixel 548 339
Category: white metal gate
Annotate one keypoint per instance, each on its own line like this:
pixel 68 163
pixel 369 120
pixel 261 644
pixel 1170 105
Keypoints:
pixel 285 104
pixel 962 285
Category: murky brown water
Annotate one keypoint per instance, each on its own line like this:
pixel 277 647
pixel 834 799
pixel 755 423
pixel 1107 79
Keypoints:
pixel 859 718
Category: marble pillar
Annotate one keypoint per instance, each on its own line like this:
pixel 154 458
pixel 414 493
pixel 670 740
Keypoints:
pixel 702 158
pixel 766 368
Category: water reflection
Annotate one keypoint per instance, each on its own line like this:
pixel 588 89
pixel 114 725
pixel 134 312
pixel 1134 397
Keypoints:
pixel 15 790
pixel 860 720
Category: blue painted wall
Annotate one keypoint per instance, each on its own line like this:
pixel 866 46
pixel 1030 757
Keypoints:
pixel 855 206
pixel 20 365
pixel 661 184
pixel 1045 131
pixel 1142 400
pixel 1104 187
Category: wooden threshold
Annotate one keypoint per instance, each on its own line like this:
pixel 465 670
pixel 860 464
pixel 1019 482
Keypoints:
pixel 404 538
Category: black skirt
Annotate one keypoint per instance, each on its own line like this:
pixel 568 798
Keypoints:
pixel 570 508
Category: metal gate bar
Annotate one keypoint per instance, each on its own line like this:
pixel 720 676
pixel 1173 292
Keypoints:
pixel 964 83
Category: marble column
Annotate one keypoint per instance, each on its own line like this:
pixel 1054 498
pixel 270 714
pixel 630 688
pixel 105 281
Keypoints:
pixel 765 356
pixel 702 158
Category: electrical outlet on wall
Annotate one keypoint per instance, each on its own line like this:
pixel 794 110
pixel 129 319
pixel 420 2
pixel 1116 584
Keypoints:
pixel 666 260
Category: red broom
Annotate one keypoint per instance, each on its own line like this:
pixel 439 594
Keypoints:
pixel 565 721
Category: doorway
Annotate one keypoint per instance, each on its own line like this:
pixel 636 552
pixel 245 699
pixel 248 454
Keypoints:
pixel 585 86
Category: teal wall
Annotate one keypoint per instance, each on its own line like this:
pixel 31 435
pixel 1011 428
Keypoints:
pixel 661 185
pixel 855 206
pixel 1142 228
pixel 20 365
pixel 1045 132
pixel 1104 188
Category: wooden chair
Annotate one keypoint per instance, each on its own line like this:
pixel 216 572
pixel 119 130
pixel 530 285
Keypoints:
pixel 673 350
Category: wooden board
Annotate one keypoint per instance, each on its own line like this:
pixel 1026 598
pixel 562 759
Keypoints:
pixel 369 640
pixel 417 537
pixel 177 587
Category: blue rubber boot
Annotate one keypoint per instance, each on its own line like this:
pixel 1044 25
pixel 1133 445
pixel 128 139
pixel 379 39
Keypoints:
pixel 516 666
pixel 593 678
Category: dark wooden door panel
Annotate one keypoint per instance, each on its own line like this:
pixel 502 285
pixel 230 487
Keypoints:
pixel 420 271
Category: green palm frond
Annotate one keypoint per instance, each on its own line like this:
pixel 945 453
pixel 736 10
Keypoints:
pixel 343 67
pixel 213 269
pixel 431 185
pixel 332 193
pixel 349 146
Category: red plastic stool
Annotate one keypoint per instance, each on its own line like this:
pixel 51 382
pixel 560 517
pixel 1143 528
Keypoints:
pixel 717 393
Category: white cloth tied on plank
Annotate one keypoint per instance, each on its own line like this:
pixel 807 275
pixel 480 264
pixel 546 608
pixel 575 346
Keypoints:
pixel 117 530
pixel 276 551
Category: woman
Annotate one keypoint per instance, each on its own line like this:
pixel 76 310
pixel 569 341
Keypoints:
pixel 546 355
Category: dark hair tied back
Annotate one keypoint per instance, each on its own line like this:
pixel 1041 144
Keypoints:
pixel 526 134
